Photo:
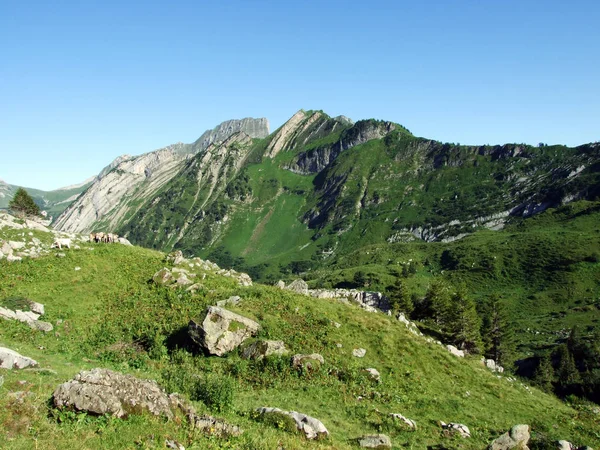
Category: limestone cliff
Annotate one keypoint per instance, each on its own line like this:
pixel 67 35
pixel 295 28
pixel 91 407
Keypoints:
pixel 121 188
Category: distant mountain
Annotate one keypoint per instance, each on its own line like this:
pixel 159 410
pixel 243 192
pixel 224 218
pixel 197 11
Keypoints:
pixel 53 202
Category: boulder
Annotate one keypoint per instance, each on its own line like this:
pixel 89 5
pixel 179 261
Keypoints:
pixel 259 349
pixel 124 241
pixel 9 359
pixel 13 258
pixel 408 422
pixel 244 279
pixel 456 352
pixel 299 286
pixel 373 374
pixel 280 284
pixel 359 352
pixel 41 326
pixel 516 438
pixel 16 245
pixel 565 445
pixel 379 441
pixel 37 308
pixel 456 428
pixel 102 391
pixel 216 427
pixel 174 445
pixel 233 300
pixel 163 276
pixel 311 427
pixel 221 330
pixel 307 362
pixel 176 257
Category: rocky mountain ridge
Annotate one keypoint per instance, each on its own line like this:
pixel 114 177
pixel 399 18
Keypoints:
pixel 335 183
pixel 122 186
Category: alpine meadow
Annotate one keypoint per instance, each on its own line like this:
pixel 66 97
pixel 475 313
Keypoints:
pixel 331 284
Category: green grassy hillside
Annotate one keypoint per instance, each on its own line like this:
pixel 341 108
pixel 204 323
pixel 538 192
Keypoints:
pixel 108 314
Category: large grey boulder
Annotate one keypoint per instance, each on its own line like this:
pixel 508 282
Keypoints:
pixel 221 330
pixel 359 352
pixel 516 438
pixel 456 352
pixel 379 441
pixel 299 286
pixel 260 349
pixel 102 391
pixel 310 362
pixel 9 359
pixel 311 427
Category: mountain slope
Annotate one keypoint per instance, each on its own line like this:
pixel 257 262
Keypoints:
pixel 137 327
pixel 128 181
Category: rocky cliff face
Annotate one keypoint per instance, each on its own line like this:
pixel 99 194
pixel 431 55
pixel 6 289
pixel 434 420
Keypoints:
pixel 122 187
pixel 254 128
pixel 315 160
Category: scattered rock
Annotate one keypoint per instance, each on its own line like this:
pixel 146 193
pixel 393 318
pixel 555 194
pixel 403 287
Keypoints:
pixel 564 445
pixel 163 276
pixel 124 241
pixel 310 362
pixel 456 352
pixel 259 349
pixel 170 443
pixel 234 300
pixel 217 427
pixel 280 284
pixel 221 330
pixel 409 422
pixel 60 255
pixel 299 286
pixel 379 441
pixel 41 325
pixel 12 258
pixel 311 427
pixel 336 324
pixel 37 308
pixel 16 245
pixel 9 359
pixel 77 269
pixel 456 428
pixel 374 374
pixel 516 438
pixel 359 352
pixel 176 257
pixel 102 391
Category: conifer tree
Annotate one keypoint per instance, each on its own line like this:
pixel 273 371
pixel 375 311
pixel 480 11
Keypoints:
pixel 544 374
pixel 22 204
pixel 464 323
pixel 436 304
pixel 568 375
pixel 400 300
pixel 497 332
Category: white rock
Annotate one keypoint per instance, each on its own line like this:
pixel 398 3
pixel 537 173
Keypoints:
pixel 9 359
pixel 374 374
pixel 456 352
pixel 16 245
pixel 409 422
pixel 359 352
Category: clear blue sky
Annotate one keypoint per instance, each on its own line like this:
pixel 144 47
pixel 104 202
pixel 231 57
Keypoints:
pixel 83 82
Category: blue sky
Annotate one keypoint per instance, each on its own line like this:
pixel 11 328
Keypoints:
pixel 84 82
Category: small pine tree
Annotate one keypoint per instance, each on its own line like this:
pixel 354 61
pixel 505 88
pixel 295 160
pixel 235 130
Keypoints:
pixel 568 375
pixel 22 204
pixel 497 332
pixel 400 300
pixel 436 304
pixel 544 374
pixel 464 322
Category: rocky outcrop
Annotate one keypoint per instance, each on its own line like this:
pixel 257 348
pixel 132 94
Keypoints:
pixel 30 314
pixel 260 349
pixel 122 187
pixel 373 374
pixel 359 352
pixel 459 429
pixel 126 181
pixel 456 352
pixel 516 438
pixel 308 363
pixel 317 159
pixel 9 359
pixel 255 128
pixel 221 331
pixel 102 391
pixel 405 420
pixel 378 441
pixel 311 427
